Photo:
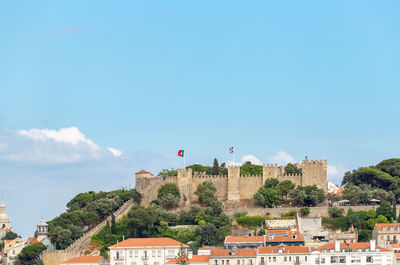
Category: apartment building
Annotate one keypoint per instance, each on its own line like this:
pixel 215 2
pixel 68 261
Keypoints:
pixel 146 251
pixel 386 234
pixel 287 255
pixel 362 253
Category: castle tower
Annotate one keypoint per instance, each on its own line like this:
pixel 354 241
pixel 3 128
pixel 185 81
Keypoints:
pixel 233 183
pixel 184 179
pixel 314 173
pixel 4 219
pixel 42 230
pixel 142 180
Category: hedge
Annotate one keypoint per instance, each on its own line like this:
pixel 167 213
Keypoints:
pixel 251 221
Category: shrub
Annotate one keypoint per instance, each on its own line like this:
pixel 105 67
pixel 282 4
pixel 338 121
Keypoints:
pixel 250 221
pixel 304 211
pixel 335 212
pixel 239 214
pixel 291 214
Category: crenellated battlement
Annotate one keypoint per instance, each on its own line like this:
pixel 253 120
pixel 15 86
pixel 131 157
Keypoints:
pixel 233 187
pixel 251 176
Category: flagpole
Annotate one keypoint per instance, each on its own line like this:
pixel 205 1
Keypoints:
pixel 184 162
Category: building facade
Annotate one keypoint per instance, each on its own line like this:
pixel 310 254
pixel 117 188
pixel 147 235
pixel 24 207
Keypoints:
pixel 146 251
pixel 365 253
pixel 386 234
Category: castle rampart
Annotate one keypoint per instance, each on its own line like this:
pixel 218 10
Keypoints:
pixel 232 188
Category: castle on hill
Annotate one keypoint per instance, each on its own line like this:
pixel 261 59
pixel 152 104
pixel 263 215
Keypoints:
pixel 234 189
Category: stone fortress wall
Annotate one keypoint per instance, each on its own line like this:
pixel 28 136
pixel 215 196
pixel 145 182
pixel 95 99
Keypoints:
pixel 233 189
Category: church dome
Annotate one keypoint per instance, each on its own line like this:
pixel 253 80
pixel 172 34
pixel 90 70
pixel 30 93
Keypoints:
pixel 42 223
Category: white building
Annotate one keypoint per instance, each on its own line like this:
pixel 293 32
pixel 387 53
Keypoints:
pixel 284 255
pixel 363 253
pixel 145 251
pixel 244 256
pixel 4 219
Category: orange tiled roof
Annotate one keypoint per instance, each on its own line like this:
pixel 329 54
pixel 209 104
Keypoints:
pixel 84 259
pixel 397 255
pixel 244 252
pixel 194 259
pixel 353 246
pixel 32 240
pixel 143 172
pixel 286 249
pixel 149 242
pixel 381 225
pixel 266 238
pixel 395 246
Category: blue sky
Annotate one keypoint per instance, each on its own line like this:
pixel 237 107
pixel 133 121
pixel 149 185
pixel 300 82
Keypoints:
pixel 278 80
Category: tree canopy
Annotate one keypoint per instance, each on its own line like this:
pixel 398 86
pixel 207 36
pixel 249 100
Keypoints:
pixel 31 253
pixel 206 192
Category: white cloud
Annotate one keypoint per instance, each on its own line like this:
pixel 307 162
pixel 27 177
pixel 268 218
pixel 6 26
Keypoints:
pixel 336 172
pixel 44 146
pixel 281 158
pixel 254 160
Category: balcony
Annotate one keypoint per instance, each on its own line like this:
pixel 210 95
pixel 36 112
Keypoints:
pixel 118 258
pixel 145 257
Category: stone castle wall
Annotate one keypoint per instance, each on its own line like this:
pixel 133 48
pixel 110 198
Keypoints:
pixel 233 188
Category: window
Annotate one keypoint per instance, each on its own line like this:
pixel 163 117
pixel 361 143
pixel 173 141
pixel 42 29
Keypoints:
pixel 290 258
pixel 384 228
pixel 316 261
pixel 156 263
pixel 322 260
pixel 285 259
pixel 171 254
pixel 274 259
pixel 391 228
pixel 262 260
pixel 227 262
pixel 223 262
pixel 215 262
pixel 359 249
pixel 305 258
pixel 269 259
pixel 159 253
pixel 251 262
pixel 153 253
pixel 131 254
pixel 238 261
pixel 369 259
pixel 378 250
pixel 136 254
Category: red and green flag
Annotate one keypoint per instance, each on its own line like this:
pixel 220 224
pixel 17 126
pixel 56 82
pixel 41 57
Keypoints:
pixel 181 153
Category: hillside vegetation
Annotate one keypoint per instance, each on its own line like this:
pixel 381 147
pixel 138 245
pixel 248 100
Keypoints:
pixel 85 211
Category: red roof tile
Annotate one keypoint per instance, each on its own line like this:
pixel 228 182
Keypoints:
pixel 245 252
pixel 148 242
pixel 286 249
pixel 33 240
pixel 396 226
pixel 84 259
pixel 143 172
pixel 194 259
pixel 353 246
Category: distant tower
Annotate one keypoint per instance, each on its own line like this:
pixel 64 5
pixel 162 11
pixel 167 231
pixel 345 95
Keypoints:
pixel 4 219
pixel 42 230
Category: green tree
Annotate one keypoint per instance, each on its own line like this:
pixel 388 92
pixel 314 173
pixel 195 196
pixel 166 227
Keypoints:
pixel 208 235
pixel 10 235
pixel 370 176
pixel 291 169
pixel 249 169
pixel 206 192
pixel 390 166
pixel 381 219
pixel 335 212
pixel 364 235
pixel 168 201
pixel 168 188
pixel 271 183
pixel 384 209
pixel 215 168
pixel 304 211
pixel 271 197
pixel 31 253
pixel 81 200
pixel 215 208
pixel 394 210
pixel 113 225
pixel 167 173
pixel 142 222
pixel 182 258
pixel 285 187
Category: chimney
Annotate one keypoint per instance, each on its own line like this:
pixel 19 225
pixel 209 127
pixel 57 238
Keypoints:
pixel 337 246
pixel 373 245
